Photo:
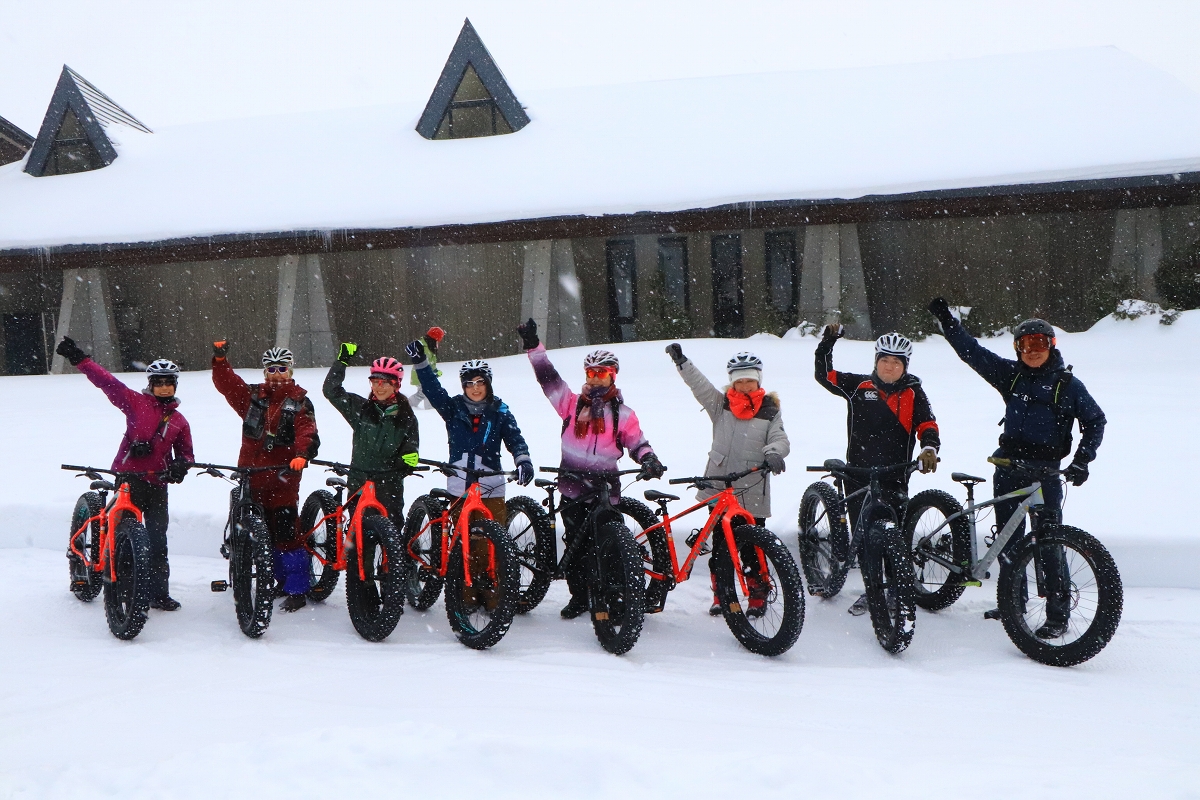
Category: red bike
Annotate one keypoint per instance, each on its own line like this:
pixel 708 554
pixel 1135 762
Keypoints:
pixel 758 585
pixel 477 561
pixel 110 550
pixel 357 537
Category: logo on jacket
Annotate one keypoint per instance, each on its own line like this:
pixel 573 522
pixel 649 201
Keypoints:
pixel 871 394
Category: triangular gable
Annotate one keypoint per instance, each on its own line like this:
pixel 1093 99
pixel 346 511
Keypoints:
pixel 14 142
pixel 469 59
pixel 72 136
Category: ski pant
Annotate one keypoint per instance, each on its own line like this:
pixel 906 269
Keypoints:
pixel 1054 562
pixel 574 517
pixel 152 500
pixel 291 558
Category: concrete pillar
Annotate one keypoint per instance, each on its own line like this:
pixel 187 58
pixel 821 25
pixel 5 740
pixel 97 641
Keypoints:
pixel 756 300
pixel 303 320
pixel 86 315
pixel 535 286
pixel 551 293
pixel 1137 249
pixel 832 285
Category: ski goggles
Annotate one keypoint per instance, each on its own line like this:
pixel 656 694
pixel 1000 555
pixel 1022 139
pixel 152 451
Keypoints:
pixel 383 379
pixel 1034 343
pixel 480 382
pixel 600 372
pixel 277 369
pixel 163 380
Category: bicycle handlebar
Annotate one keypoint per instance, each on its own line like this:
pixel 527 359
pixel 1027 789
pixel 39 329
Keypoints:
pixel 92 472
pixel 246 470
pixel 726 479
pixel 342 469
pixel 836 465
pixel 1022 465
pixel 445 469
pixel 587 473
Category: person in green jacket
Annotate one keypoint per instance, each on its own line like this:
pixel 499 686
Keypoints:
pixel 385 428
pixel 429 344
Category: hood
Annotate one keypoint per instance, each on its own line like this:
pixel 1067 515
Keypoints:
pixel 172 403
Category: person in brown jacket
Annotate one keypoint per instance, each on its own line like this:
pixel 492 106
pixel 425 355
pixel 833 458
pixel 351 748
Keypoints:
pixel 279 429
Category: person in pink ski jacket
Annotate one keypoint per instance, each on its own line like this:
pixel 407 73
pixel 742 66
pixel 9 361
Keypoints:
pixel 156 450
pixel 597 430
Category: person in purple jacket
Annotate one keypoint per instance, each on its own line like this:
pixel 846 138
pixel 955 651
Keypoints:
pixel 156 449
pixel 597 429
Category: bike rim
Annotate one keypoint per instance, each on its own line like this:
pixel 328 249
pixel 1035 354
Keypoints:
pixel 929 575
pixel 319 542
pixel 818 544
pixel 520 530
pixel 766 619
pixel 1082 598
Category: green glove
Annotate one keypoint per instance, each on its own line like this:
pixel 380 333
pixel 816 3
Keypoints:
pixel 347 351
pixel 410 459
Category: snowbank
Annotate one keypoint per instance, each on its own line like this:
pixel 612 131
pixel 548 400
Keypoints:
pixel 1134 501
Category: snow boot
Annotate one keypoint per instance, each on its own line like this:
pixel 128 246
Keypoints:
pixel 486 593
pixel 715 610
pixel 859 607
pixel 167 603
pixel 992 614
pixel 294 602
pixel 576 607
pixel 760 590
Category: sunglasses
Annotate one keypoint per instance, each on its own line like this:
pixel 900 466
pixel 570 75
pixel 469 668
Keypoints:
pixel 381 379
pixel 162 381
pixel 480 382
pixel 277 370
pixel 599 372
pixel 1034 343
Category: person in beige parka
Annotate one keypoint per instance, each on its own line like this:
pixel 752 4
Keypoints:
pixel 747 430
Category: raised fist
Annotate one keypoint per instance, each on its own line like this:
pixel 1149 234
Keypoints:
pixel 528 332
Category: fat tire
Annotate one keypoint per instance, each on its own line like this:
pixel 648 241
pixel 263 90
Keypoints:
pixel 535 550
pixel 656 556
pixel 885 566
pixel 938 588
pixel 825 558
pixel 86 583
pixel 376 603
pixel 616 593
pixel 423 584
pixel 787 591
pixel 252 574
pixel 1109 603
pixel 127 597
pixel 508 585
pixel 322 577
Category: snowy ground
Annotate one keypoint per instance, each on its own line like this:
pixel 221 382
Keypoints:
pixel 193 708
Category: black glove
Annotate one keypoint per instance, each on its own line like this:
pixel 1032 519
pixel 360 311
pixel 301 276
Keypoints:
pixel 221 348
pixel 70 351
pixel 346 352
pixel 524 473
pixel 832 332
pixel 528 333
pixel 774 463
pixel 651 467
pixel 177 471
pixel 676 354
pixel 415 351
pixel 941 310
pixel 1076 472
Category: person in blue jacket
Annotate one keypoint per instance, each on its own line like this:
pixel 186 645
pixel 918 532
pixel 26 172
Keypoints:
pixel 1042 402
pixel 477 422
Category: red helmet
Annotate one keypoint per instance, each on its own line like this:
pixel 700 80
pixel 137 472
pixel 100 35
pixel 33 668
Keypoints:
pixel 436 333
pixel 388 366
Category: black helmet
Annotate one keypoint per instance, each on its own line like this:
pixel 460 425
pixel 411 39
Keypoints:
pixel 1033 327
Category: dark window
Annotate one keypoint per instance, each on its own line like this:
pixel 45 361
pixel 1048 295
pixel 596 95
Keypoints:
pixel 781 274
pixel 622 290
pixel 673 268
pixel 71 150
pixel 24 345
pixel 727 286
pixel 472 112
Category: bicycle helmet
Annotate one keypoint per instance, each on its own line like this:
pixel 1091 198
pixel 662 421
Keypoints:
pixel 435 333
pixel 1032 327
pixel 893 344
pixel 163 366
pixel 475 368
pixel 602 358
pixel 278 355
pixel 744 365
pixel 387 367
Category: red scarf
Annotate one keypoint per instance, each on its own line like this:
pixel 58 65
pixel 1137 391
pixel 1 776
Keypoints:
pixel 590 410
pixel 745 406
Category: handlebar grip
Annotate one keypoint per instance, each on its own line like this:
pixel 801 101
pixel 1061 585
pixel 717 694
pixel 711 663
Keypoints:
pixel 679 480
pixel 74 468
pixel 814 469
pixel 1000 462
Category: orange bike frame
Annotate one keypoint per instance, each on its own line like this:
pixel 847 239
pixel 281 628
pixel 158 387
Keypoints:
pixel 108 519
pixel 366 500
pixel 472 502
pixel 725 509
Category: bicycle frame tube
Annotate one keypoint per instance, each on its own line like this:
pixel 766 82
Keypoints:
pixel 1033 497
pixel 121 505
pixel 462 531
pixel 366 500
pixel 725 509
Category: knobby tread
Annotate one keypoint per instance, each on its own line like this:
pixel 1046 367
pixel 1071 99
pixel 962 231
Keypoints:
pixel 788 595
pixel 507 582
pixel 886 566
pixel 948 591
pixel 252 574
pixel 655 555
pixel 86 583
pixel 323 578
pixel 424 584
pixel 617 596
pixel 376 603
pixel 127 599
pixel 821 502
pixel 534 548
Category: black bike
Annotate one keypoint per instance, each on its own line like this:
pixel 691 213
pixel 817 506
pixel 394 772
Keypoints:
pixel 828 552
pixel 248 548
pixel 609 557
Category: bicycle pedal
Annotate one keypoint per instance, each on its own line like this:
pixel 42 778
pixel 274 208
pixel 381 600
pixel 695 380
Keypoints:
pixel 972 583
pixel 690 541
pixel 79 584
pixel 218 586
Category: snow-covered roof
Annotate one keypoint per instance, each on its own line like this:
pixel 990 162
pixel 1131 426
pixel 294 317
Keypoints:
pixel 1075 114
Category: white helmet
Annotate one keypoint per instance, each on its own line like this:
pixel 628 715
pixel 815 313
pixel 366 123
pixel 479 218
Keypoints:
pixel 602 358
pixel 475 368
pixel 744 365
pixel 163 366
pixel 893 344
pixel 278 355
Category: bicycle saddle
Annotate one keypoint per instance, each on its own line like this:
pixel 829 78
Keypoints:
pixel 336 482
pixel 655 496
pixel 443 494
pixel 962 477
pixel 105 485
pixel 542 483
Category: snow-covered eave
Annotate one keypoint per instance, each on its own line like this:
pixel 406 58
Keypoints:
pixel 1172 184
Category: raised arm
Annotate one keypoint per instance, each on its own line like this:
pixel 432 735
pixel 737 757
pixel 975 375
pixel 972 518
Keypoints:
pixel 708 396
pixel 345 402
pixel 996 370
pixel 229 383
pixel 553 386
pixel 117 392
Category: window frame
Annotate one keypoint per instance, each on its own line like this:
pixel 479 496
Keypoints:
pixel 615 320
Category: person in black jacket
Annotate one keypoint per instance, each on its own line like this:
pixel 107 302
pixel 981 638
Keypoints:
pixel 887 414
pixel 1042 401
